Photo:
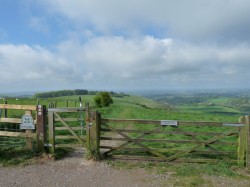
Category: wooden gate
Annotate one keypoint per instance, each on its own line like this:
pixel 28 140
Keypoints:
pixel 168 140
pixel 67 127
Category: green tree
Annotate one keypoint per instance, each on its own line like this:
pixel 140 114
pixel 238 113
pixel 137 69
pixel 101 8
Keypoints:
pixel 98 101
pixel 103 99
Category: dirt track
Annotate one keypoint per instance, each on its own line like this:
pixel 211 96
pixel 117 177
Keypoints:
pixel 74 171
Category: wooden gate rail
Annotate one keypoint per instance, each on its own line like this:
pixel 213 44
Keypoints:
pixel 158 122
pixel 39 121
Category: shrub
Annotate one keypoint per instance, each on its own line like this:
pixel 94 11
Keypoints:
pixel 103 99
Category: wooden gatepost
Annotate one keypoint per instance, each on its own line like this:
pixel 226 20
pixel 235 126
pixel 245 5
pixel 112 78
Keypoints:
pixel 244 142
pixel 93 128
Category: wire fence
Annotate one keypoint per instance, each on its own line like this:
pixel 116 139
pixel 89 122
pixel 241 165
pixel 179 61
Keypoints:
pixel 7 142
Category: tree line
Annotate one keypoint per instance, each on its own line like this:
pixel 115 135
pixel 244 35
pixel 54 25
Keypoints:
pixel 60 93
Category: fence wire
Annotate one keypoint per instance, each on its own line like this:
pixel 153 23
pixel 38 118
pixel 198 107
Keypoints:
pixel 11 142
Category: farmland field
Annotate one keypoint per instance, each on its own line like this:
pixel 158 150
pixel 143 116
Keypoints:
pixel 211 108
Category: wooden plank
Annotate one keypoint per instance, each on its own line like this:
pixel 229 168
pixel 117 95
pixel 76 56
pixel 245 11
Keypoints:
pixel 165 140
pixel 158 122
pixel 199 160
pixel 69 145
pixel 68 137
pixel 144 158
pixel 17 134
pixel 18 107
pixel 130 121
pixel 10 120
pixel 242 143
pixel 187 160
pixel 247 122
pixel 168 150
pixel 68 119
pixel 73 128
pixel 195 147
pixel 200 123
pixel 66 109
pixel 13 120
pixel 5 111
pixel 69 128
pixel 188 133
pixel 136 142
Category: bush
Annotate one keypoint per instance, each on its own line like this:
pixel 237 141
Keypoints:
pixel 98 101
pixel 103 99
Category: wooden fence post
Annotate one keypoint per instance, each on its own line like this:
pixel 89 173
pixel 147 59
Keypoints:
pixel 93 136
pixel 51 131
pixel 247 123
pixel 5 113
pixel 41 127
pixel 243 149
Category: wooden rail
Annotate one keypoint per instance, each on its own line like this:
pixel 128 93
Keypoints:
pixel 13 120
pixel 17 134
pixel 18 107
pixel 158 122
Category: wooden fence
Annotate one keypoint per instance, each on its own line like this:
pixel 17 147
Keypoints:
pixel 167 140
pixel 38 135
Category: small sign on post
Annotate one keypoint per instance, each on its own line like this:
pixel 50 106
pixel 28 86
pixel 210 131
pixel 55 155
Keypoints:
pixel 169 123
pixel 27 122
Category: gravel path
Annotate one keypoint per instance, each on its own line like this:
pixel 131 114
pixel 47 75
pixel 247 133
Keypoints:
pixel 74 171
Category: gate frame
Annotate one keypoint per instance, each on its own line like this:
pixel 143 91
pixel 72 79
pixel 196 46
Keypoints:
pixel 52 114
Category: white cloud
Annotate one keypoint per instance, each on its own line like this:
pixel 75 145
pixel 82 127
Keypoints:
pixel 193 19
pixel 116 62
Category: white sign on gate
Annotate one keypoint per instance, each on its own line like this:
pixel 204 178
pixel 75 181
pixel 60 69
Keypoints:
pixel 27 122
pixel 169 123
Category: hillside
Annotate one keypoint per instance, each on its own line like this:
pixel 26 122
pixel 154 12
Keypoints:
pixel 135 107
pixel 144 108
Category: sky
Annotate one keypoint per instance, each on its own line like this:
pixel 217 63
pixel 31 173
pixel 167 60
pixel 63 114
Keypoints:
pixel 123 45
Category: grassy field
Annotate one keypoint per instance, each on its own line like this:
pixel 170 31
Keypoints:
pixel 134 107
